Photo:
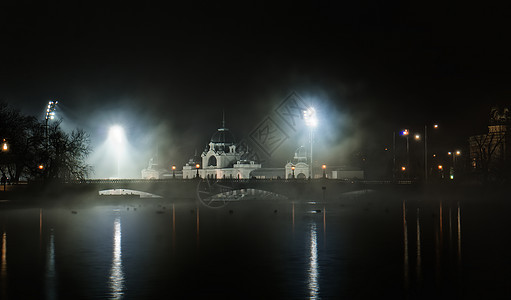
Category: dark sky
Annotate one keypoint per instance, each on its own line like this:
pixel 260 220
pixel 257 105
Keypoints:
pixel 171 70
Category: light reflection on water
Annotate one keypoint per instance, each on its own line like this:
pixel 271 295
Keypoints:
pixel 116 280
pixel 271 249
pixel 313 271
pixel 50 276
pixel 3 266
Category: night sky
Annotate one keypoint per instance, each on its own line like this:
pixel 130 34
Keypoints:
pixel 166 73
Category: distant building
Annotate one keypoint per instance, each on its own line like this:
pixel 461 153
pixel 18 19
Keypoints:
pixel 152 171
pixel 300 165
pixel 221 159
pixel 490 153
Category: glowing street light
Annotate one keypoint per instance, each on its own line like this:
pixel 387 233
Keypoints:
pixel 311 120
pixel 324 170
pixel 5 146
pixel 293 170
pixel 197 166
pixel 406 133
pixel 173 171
pixel 454 154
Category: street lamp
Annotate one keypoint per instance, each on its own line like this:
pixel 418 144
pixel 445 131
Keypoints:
pixel 324 170
pixel 173 171
pixel 293 170
pixel 454 154
pixel 406 134
pixel 197 166
pixel 435 126
pixel 311 120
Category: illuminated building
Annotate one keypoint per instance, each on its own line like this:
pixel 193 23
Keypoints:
pixel 490 153
pixel 221 159
pixel 299 162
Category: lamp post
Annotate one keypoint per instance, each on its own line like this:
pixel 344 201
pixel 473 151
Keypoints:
pixel 197 166
pixel 173 172
pixel 5 148
pixel 309 115
pixel 454 155
pixel 435 126
pixel 406 134
pixel 293 172
pixel 324 170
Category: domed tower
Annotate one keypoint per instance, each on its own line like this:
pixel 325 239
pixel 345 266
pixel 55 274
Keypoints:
pixel 221 159
pixel 221 150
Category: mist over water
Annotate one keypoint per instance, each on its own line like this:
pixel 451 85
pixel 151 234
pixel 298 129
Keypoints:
pixel 400 245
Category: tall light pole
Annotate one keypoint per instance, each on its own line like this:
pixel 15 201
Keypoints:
pixel 311 120
pixel 406 133
pixel 435 126
pixel 50 115
pixel 117 139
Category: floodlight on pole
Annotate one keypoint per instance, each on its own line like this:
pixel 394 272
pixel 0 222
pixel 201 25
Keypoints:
pixel 117 139
pixel 311 120
pixel 50 115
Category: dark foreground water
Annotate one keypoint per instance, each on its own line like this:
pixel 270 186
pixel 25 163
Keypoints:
pixel 374 245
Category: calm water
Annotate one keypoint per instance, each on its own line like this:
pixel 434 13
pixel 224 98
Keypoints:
pixel 370 245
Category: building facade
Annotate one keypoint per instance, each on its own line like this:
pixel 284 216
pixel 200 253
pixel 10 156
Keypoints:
pixel 490 154
pixel 221 160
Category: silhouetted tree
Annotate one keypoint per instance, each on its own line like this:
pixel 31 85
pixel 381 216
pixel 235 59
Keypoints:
pixel 67 154
pixel 61 155
pixel 23 135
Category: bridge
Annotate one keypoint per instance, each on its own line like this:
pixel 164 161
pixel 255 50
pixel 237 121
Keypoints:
pixel 219 189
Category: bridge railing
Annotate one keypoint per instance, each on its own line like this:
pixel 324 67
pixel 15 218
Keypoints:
pixel 169 180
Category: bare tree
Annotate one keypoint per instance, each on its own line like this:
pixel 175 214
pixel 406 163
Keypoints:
pixel 489 154
pixel 67 154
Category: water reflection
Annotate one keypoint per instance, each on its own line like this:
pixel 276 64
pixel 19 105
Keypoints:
pixel 459 234
pixel 173 228
pixel 405 247
pixel 3 266
pixel 418 245
pixel 313 272
pixel 116 281
pixel 198 227
pixel 40 227
pixel 50 280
